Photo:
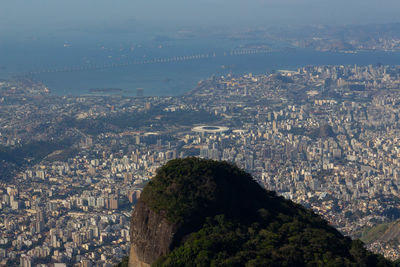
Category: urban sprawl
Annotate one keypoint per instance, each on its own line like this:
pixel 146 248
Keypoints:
pixel 72 167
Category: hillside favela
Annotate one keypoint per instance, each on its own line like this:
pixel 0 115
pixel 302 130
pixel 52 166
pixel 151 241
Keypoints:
pixel 131 137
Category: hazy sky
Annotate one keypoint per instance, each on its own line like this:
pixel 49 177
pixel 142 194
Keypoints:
pixel 24 16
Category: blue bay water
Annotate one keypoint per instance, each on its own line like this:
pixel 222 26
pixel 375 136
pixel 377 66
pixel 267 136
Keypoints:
pixel 157 79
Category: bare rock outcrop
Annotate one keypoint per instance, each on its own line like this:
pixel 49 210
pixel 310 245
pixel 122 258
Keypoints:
pixel 151 236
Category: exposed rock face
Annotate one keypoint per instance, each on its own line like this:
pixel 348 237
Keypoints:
pixel 151 236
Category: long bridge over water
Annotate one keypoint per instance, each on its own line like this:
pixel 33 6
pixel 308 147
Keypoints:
pixel 151 61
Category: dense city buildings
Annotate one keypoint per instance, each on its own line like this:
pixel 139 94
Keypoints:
pixel 326 137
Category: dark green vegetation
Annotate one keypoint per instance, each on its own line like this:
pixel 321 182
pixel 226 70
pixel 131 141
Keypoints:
pixel 34 151
pixel 284 79
pixel 14 158
pixel 324 131
pixel 123 263
pixel 226 219
pixel 157 118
